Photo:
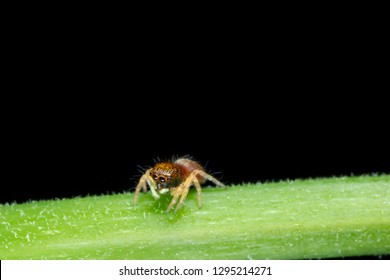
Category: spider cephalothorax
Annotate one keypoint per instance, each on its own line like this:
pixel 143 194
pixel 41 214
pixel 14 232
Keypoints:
pixel 166 175
pixel 175 177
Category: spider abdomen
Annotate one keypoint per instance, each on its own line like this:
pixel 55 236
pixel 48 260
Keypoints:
pixel 187 166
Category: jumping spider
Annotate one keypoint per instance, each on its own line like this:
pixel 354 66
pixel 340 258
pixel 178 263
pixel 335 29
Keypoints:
pixel 176 177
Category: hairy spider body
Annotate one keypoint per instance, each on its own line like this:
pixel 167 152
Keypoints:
pixel 175 177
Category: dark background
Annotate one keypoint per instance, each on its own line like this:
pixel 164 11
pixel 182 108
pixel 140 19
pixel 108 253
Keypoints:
pixel 90 107
pixel 100 149
pixel 299 105
pixel 95 136
pixel 277 101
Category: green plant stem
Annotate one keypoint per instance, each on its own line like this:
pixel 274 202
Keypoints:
pixel 301 219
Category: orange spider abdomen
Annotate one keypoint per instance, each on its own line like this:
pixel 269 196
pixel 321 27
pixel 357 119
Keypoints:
pixel 186 167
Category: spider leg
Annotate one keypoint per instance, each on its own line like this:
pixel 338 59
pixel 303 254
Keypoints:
pixel 152 186
pixel 184 193
pixel 144 188
pixel 176 194
pixel 210 178
pixel 199 191
pixel 143 183
pixel 191 180
pixel 183 188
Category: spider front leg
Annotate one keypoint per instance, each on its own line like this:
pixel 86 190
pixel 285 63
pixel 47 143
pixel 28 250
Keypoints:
pixel 143 183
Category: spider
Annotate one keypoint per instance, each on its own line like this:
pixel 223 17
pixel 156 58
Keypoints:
pixel 176 177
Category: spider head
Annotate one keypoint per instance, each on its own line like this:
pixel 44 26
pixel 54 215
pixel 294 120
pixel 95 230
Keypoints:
pixel 166 175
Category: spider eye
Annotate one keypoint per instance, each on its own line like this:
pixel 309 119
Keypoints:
pixel 162 180
pixel 153 175
pixel 175 170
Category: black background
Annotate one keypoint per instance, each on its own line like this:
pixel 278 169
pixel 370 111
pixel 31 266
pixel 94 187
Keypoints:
pixel 293 107
pixel 94 136
pixel 280 101
pixel 100 147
